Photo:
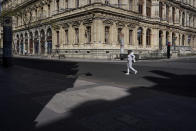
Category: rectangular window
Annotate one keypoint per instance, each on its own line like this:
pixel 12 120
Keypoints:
pixel 140 9
pixel 48 10
pixel 119 35
pixel 89 1
pixel 76 35
pixel 57 35
pixel 88 34
pixel 77 3
pixel 167 13
pixel 66 37
pixel 120 3
pixel 107 28
pixel 131 37
pixel 66 4
pixel 57 5
pixel 130 4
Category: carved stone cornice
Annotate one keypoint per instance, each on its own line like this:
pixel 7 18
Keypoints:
pixel 87 21
pixel 75 24
pixel 108 22
pixel 120 24
pixel 65 26
pixel 56 27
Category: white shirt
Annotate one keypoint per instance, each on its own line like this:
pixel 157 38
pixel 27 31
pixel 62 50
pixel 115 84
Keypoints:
pixel 131 57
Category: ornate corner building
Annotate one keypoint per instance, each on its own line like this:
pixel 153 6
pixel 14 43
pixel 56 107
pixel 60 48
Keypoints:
pixel 102 28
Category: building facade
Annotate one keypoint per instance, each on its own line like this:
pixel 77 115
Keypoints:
pixel 102 28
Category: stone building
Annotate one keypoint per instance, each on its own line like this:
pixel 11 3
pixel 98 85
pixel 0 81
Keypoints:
pixel 102 28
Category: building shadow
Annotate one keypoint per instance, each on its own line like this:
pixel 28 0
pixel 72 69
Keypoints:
pixel 183 85
pixel 168 105
pixel 66 68
pixel 25 91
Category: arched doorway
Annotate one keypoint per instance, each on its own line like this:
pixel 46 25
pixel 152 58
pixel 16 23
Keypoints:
pixel 148 37
pixel 174 40
pixel 183 38
pixel 49 41
pixel 160 40
pixel 140 36
pixel 21 44
pixel 167 37
pixel 42 34
pixel 17 45
pixel 36 43
pixel 31 42
pixel 26 43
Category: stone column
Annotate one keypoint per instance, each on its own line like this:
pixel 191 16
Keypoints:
pixel 28 42
pixel 164 39
pixel 144 37
pixel 177 16
pixel 46 45
pixel 33 34
pixel 187 19
pixel 97 31
pixel 135 41
pixel 164 12
pixel 155 10
pixel 135 5
pixel 82 34
pixel 144 8
pixel 177 39
pixel 113 34
pixel 39 40
pixel 126 36
pixel 170 14
pixel 155 38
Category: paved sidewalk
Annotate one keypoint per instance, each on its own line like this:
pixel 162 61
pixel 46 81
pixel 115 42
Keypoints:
pixel 101 60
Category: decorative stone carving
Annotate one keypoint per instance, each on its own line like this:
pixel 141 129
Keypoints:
pixel 65 26
pixel 108 22
pixel 55 27
pixel 120 24
pixel 88 21
pixel 76 24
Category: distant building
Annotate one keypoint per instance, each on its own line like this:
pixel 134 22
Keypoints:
pixel 92 28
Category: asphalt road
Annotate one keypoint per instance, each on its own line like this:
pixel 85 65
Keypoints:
pixel 162 96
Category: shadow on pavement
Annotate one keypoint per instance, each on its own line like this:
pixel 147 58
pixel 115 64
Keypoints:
pixel 169 105
pixel 67 68
pixel 25 91
pixel 183 85
pixel 144 109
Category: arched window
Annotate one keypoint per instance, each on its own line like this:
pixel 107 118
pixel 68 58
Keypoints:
pixel 31 42
pixel 148 37
pixel 42 34
pixel 139 36
pixel 26 42
pixel 49 41
pixel 148 8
